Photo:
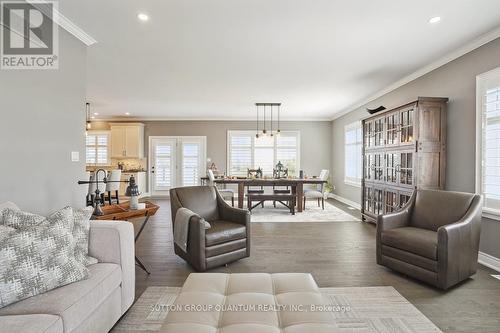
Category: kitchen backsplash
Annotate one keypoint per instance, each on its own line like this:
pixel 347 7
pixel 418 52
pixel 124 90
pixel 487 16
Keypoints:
pixel 133 164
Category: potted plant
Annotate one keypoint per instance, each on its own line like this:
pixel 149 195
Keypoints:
pixel 328 188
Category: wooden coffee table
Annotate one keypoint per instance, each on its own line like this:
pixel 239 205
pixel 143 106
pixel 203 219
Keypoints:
pixel 122 212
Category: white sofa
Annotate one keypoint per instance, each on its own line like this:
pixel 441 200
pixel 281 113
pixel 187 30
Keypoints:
pixel 92 305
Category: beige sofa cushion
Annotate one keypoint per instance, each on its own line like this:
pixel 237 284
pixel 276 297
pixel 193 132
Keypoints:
pixel 74 302
pixel 35 323
pixel 249 289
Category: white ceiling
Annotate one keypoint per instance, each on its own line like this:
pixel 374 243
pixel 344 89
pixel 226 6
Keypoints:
pixel 199 59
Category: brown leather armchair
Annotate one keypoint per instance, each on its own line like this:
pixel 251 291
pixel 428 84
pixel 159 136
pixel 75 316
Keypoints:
pixel 228 238
pixel 434 238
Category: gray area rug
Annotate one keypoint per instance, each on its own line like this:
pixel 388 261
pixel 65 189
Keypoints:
pixel 365 309
pixel 312 213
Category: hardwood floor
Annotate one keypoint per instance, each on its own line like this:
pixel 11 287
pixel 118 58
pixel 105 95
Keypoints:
pixel 337 254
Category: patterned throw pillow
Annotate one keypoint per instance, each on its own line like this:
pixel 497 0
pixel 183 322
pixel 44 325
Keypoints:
pixel 36 260
pixel 5 206
pixel 81 218
pixel 78 223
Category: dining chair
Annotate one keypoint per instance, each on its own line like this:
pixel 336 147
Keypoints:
pixel 225 193
pixel 252 190
pixel 92 188
pixel 317 193
pixel 112 187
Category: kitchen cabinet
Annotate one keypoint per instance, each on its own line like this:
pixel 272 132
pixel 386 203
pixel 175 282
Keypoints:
pixel 127 140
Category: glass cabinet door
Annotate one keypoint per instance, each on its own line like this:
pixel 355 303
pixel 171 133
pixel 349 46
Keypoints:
pixel 378 201
pixel 378 132
pixel 403 198
pixel 373 200
pixel 368 199
pixel 368 137
pixel 378 167
pixel 390 201
pixel 405 169
pixel 368 167
pixel 406 127
pixel 391 168
pixel 392 129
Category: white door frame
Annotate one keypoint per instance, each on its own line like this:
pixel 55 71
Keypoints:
pixel 176 137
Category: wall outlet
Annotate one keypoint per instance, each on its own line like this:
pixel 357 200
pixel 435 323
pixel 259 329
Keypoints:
pixel 75 156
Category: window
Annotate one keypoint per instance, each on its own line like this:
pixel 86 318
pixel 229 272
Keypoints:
pixel 353 146
pixel 97 148
pixel 245 152
pixel 488 141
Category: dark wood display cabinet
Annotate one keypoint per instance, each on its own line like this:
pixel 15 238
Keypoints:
pixel 403 149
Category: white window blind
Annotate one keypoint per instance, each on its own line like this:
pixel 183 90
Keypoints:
pixel 245 152
pixel 163 166
pixel 353 146
pixel 190 164
pixel 97 148
pixel 488 181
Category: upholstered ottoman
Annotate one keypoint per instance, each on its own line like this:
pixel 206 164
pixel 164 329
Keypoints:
pixel 249 303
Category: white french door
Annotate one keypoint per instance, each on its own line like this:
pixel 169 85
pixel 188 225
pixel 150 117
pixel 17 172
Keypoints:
pixel 175 161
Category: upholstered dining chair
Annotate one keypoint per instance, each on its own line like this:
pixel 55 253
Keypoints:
pixel 433 238
pixel 317 193
pixel 227 239
pixel 92 188
pixel 226 193
pixel 112 187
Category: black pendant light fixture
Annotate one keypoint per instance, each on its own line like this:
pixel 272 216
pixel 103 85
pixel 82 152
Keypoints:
pixel 273 108
pixel 88 124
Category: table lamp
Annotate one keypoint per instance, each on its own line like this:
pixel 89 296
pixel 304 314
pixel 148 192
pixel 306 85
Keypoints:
pixel 133 192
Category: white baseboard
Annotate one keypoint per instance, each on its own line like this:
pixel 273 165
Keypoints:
pixel 344 200
pixel 489 261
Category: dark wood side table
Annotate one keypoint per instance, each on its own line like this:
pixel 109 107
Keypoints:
pixel 122 212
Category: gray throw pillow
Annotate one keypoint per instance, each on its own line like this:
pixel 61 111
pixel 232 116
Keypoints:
pixel 78 223
pixel 81 219
pixel 4 206
pixel 38 259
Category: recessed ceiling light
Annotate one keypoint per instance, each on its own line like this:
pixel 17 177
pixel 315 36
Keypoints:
pixel 143 17
pixel 435 19
pixel 96 113
pixel 92 117
pixel 127 113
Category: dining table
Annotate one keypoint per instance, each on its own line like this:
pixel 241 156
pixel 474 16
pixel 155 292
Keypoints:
pixel 296 185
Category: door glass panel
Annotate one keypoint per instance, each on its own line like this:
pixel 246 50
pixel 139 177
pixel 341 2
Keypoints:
pixel 403 199
pixel 368 134
pixel 378 132
pixel 368 199
pixel 378 169
pixel 368 167
pixel 163 166
pixel 406 169
pixel 391 122
pixel 378 202
pixel 391 162
pixel 391 204
pixel 407 126
pixel 190 164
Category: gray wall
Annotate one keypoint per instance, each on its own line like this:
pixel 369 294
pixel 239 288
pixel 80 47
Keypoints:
pixel 42 119
pixel 457 81
pixel 315 139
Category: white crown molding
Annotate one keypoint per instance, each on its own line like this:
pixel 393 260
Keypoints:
pixel 128 119
pixel 489 261
pixel 476 43
pixel 68 25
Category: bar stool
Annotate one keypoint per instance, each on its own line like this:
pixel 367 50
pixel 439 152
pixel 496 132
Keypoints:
pixel 112 187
